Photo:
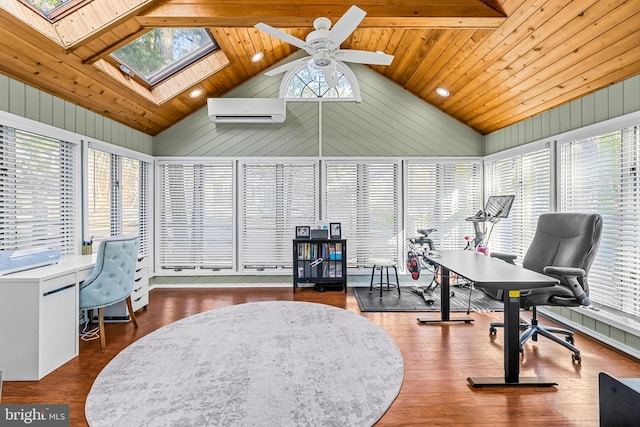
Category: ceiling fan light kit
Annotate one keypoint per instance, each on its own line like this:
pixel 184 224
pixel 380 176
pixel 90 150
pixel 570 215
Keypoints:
pixel 323 46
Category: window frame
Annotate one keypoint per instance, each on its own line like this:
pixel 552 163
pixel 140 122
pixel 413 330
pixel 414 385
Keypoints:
pixel 24 124
pixel 608 316
pixel 58 12
pixel 168 71
pixel 340 66
pixel 285 263
pixel 525 229
pixel 116 154
pixel 198 268
pixel 603 270
pixel 360 256
pixel 442 238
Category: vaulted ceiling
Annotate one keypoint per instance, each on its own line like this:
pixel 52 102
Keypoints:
pixel 502 60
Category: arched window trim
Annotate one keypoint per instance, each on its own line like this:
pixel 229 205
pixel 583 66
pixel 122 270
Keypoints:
pixel 340 66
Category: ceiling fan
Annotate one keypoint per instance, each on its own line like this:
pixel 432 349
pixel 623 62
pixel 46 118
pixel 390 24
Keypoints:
pixel 323 46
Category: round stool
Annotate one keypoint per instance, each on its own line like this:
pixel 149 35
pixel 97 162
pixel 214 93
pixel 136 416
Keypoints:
pixel 383 265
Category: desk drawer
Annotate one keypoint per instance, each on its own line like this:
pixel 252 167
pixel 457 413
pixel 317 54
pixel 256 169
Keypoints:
pixel 55 284
pixel 140 301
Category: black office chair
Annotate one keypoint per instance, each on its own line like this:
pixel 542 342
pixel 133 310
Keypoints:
pixel 563 247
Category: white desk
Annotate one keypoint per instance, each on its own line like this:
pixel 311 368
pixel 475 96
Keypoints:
pixel 39 318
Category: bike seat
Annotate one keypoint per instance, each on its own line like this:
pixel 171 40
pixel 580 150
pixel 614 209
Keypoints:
pixel 426 231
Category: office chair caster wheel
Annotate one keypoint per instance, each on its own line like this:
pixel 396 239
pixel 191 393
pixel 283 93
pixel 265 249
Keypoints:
pixel 493 330
pixel 570 339
pixel 576 358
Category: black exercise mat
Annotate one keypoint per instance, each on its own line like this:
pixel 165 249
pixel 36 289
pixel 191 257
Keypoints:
pixel 410 301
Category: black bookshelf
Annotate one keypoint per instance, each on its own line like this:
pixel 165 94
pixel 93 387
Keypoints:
pixel 322 262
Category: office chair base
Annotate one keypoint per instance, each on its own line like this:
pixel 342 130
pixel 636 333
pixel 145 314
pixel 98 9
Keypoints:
pixel 532 330
pixel 479 382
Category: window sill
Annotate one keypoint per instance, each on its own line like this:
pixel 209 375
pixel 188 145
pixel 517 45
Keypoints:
pixel 613 328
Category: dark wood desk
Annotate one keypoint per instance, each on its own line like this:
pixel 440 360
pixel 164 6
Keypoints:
pixel 490 272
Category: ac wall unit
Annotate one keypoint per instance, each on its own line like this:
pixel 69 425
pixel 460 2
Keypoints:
pixel 247 110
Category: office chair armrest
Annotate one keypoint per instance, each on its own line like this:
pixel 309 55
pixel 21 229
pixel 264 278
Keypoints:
pixel 505 257
pixel 571 278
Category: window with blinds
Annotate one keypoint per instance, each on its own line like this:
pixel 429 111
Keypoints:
pixel 363 198
pixel 276 197
pixel 441 195
pixel 33 214
pixel 195 216
pixel 117 197
pixel 528 177
pixel 600 174
pixel 99 194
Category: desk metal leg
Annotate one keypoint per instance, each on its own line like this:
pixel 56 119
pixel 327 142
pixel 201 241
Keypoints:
pixel 511 351
pixel 445 306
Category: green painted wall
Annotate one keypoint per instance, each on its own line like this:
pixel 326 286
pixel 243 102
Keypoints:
pixel 25 101
pixel 614 101
pixel 389 122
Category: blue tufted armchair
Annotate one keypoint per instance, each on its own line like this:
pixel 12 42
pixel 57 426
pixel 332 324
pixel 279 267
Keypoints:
pixel 111 280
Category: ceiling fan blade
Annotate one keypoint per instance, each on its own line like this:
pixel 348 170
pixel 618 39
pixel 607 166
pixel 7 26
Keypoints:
pixel 364 57
pixel 282 35
pixel 286 67
pixel 345 25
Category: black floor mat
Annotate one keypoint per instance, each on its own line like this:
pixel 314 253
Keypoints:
pixel 411 301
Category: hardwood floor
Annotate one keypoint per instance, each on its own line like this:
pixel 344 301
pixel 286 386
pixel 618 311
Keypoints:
pixel 438 359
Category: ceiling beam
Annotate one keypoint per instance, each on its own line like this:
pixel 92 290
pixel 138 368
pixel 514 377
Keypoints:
pixel 425 14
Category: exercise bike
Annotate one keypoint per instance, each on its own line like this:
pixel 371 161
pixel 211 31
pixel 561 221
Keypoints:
pixel 496 208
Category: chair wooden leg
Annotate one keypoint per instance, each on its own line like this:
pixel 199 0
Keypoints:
pixel 132 314
pixel 89 316
pixel 103 340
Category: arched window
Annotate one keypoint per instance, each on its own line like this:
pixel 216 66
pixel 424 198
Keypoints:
pixel 299 84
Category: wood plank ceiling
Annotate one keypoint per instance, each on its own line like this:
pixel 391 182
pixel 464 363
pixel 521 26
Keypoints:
pixel 502 60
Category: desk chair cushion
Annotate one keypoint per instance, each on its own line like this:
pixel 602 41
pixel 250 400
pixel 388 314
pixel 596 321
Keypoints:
pixel 111 280
pixel 563 240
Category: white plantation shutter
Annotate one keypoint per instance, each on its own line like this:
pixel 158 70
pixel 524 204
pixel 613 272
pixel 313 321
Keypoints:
pixel 528 177
pixel 195 217
pixel 600 174
pixel 363 198
pixel 276 197
pixel 441 195
pixel 37 192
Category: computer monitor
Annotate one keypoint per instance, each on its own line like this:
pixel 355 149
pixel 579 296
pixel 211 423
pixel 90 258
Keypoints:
pixel 499 206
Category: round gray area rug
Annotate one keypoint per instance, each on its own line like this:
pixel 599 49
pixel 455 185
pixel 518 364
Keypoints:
pixel 275 363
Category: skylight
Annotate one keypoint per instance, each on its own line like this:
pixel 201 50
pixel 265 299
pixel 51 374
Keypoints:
pixel 162 52
pixel 53 9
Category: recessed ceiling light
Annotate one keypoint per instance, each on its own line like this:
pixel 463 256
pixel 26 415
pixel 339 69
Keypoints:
pixel 257 56
pixel 195 93
pixel 442 91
